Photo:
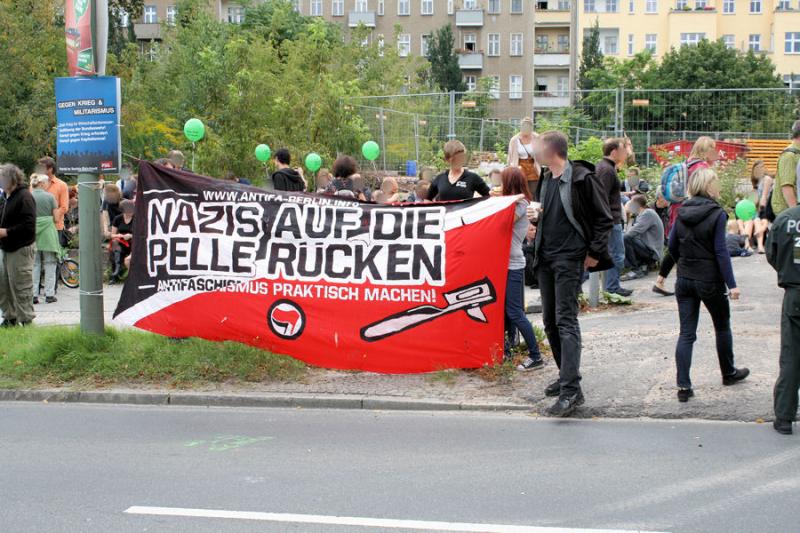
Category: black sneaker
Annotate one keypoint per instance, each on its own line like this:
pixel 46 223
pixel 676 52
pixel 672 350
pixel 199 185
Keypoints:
pixel 622 292
pixel 784 427
pixel 566 405
pixel 530 364
pixel 50 300
pixel 684 395
pixel 8 323
pixel 736 377
pixel 554 389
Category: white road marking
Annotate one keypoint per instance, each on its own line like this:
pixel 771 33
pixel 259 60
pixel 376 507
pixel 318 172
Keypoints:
pixel 359 521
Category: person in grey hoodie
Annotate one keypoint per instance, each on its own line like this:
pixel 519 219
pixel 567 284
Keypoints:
pixel 644 241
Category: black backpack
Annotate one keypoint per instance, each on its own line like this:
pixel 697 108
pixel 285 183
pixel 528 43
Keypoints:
pixel 769 213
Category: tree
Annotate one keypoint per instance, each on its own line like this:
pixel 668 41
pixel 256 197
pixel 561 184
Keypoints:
pixel 591 57
pixel 445 71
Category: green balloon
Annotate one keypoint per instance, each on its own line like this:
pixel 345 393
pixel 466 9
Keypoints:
pixel 313 162
pixel 746 210
pixel 370 150
pixel 194 129
pixel 263 152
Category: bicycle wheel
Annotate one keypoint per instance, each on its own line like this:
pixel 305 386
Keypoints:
pixel 69 272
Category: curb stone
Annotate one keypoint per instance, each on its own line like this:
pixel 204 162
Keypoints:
pixel 262 400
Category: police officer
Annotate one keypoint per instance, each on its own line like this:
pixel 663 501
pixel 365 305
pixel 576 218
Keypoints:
pixel 783 253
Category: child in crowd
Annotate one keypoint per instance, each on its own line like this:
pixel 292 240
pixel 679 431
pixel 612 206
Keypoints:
pixel 420 191
pixel 495 181
pixel 390 190
pixel 735 241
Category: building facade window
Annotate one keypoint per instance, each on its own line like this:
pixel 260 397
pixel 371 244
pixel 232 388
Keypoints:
pixel 404 8
pixel 150 15
pixel 610 45
pixel 516 6
pixel 172 15
pixel 337 8
pixel 563 86
pixel 470 4
pixel 403 44
pixel 564 5
pixel 755 6
pixel 471 82
pixel 124 18
pixel 235 14
pixel 611 6
pixel 362 6
pixel 494 88
pixel 563 43
pixel 792 42
pixel 729 41
pixel 450 8
pixel 494 7
pixel 514 87
pixel 631 6
pixel 470 42
pixel 316 8
pixel 427 7
pixel 651 6
pixel 681 5
pixel 296 5
pixel 729 7
pixel 630 44
pixel 516 44
pixel 700 4
pixel 493 44
pixel 542 44
pixel 650 41
pixel 589 6
pixel 784 5
pixel 381 7
pixel 692 39
pixel 424 47
pixel 754 42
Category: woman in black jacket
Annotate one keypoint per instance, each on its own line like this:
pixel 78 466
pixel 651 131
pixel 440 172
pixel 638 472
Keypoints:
pixel 697 243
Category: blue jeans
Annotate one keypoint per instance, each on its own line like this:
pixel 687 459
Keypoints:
pixel 515 314
pixel 616 248
pixel 690 293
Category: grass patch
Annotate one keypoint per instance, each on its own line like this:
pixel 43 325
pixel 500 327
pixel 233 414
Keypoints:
pixel 59 355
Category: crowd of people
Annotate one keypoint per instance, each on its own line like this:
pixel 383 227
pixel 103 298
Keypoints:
pixel 572 217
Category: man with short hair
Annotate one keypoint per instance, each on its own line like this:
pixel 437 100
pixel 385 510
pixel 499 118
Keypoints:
pixel 286 178
pixel 571 236
pixel 615 154
pixel 59 190
pixel 784 193
pixel 644 241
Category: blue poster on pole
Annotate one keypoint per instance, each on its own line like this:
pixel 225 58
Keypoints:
pixel 87 113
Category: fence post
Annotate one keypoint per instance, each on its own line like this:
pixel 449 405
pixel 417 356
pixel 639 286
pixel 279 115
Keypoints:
pixel 416 138
pixel 594 289
pixel 621 112
pixel 451 126
pixel 383 139
pixel 480 142
pixel 647 151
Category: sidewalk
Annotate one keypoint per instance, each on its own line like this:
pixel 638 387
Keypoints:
pixel 628 364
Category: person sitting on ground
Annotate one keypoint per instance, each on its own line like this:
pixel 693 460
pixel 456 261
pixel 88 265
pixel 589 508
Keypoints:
pixel 514 183
pixel 390 189
pixel 112 197
pixel 458 183
pixel 121 239
pixel 18 245
pixel 287 178
pixel 736 242
pixel 697 243
pixel 644 241
pixel 48 247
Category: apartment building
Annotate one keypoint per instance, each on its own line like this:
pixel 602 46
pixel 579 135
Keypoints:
pixel 770 27
pixel 555 54
pixel 494 38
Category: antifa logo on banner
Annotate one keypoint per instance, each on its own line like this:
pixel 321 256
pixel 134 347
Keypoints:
pixel 332 281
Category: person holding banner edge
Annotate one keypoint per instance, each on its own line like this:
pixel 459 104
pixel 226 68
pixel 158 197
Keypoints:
pixel 573 227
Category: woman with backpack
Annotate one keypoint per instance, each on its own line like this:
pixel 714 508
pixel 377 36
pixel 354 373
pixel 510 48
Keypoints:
pixel 697 243
pixel 703 155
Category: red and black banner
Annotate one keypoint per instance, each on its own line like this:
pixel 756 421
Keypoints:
pixel 329 280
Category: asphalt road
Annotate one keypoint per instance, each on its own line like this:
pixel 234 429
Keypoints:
pixel 75 468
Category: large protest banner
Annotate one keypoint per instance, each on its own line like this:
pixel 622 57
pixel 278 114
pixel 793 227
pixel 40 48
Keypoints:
pixel 331 281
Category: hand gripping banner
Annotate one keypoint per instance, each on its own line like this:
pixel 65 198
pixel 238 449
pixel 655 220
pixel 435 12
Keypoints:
pixel 332 281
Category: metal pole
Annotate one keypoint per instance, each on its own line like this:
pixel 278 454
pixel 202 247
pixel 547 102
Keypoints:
pixel 647 152
pixel 91 271
pixel 480 143
pixel 621 112
pixel 594 289
pixel 383 140
pixel 193 149
pixel 451 127
pixel 416 138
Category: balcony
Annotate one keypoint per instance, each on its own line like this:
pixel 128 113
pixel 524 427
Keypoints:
pixel 469 18
pixel 551 17
pixel 147 31
pixel 549 101
pixel 551 59
pixel 367 18
pixel 470 60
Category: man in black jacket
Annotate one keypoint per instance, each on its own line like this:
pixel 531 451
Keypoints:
pixel 615 154
pixel 286 178
pixel 572 235
pixel 18 248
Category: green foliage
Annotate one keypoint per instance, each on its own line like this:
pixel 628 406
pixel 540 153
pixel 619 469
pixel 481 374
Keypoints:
pixel 590 150
pixel 445 72
pixel 591 57
pixel 56 355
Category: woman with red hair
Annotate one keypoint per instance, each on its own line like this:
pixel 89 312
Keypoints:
pixel 514 184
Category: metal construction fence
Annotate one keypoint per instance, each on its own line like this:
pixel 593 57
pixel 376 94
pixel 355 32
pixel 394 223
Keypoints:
pixel 414 127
